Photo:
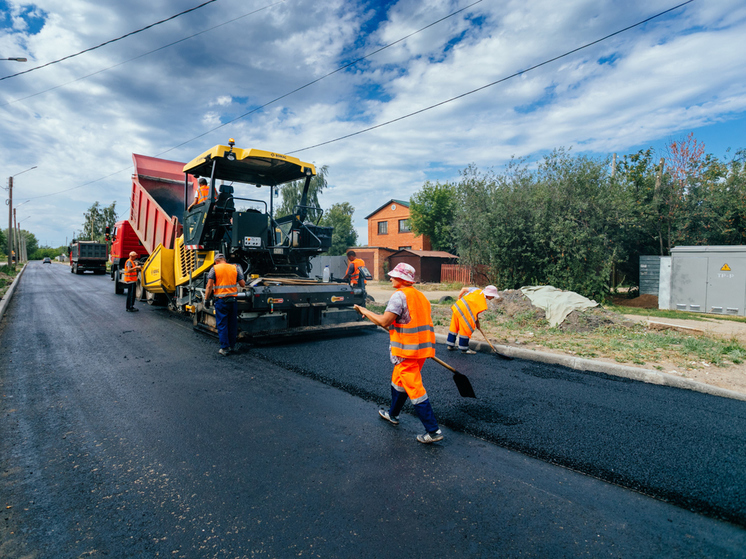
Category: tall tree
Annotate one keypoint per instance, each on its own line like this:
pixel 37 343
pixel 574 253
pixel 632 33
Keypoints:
pixel 344 236
pixel 97 219
pixel 293 191
pixel 431 213
pixel 3 242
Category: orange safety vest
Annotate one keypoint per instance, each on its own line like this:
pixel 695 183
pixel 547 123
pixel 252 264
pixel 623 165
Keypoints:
pixel 203 193
pixel 356 274
pixel 415 340
pixel 226 280
pixel 468 308
pixel 130 274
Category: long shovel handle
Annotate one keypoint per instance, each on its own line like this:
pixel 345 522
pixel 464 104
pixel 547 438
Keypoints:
pixel 444 364
pixel 493 347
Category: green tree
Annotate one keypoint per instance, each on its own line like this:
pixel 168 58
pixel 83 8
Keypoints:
pixel 97 218
pixel 431 212
pixel 293 191
pixel 344 236
pixel 3 243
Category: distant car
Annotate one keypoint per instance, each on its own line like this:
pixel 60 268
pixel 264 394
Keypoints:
pixel 47 260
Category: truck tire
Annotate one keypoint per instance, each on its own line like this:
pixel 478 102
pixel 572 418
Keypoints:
pixel 118 286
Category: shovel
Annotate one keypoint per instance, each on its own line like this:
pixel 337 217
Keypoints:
pixel 461 380
pixel 501 355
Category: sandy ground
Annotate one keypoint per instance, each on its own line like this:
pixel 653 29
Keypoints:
pixel 732 377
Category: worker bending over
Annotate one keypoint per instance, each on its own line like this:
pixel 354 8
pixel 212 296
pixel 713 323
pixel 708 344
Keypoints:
pixel 224 280
pixel 407 318
pixel 465 319
pixel 353 270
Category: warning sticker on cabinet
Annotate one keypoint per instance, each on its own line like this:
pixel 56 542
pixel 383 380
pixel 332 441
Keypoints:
pixel 725 268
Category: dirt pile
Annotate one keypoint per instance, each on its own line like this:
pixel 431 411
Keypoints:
pixel 514 304
pixel 641 302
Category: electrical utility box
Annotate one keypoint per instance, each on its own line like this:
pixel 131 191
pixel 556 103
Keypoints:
pixel 710 279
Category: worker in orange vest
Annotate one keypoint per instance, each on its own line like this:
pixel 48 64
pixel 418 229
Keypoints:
pixel 412 336
pixel 201 194
pixel 353 270
pixel 131 267
pixel 223 280
pixel 465 319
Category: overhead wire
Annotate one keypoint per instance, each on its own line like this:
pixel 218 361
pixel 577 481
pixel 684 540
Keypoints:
pixel 109 41
pixel 282 96
pixel 343 67
pixel 143 54
pixel 506 78
pixel 414 113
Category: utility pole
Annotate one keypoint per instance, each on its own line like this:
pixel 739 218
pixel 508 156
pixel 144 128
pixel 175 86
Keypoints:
pixel 18 238
pixel 613 166
pixel 10 220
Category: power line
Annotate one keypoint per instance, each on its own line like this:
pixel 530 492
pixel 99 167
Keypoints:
pixel 274 100
pixel 492 83
pixel 110 41
pixel 142 55
pixel 322 77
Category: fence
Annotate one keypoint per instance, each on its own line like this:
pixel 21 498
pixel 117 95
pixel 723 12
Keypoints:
pixel 453 273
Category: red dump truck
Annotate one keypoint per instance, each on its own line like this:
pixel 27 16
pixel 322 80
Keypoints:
pixel 156 203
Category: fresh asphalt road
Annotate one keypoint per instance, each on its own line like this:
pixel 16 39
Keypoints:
pixel 127 435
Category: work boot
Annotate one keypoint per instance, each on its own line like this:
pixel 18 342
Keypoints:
pixel 385 415
pixel 451 347
pixel 428 438
pixel 468 351
pixel 224 352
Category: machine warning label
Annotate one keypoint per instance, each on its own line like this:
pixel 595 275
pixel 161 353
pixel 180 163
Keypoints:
pixel 337 299
pixel 725 268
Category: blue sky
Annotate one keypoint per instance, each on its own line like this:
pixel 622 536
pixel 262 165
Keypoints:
pixel 79 121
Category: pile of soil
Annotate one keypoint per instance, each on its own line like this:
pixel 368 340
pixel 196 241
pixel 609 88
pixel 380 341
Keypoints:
pixel 513 303
pixel 642 302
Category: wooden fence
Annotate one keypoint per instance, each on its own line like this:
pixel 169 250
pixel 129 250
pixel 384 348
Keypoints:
pixel 453 273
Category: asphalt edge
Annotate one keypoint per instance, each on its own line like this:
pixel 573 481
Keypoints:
pixel 5 301
pixel 634 373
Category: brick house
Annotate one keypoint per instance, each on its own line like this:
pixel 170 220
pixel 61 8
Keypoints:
pixel 389 235
pixel 388 227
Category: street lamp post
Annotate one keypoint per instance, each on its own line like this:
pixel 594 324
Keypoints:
pixel 15 59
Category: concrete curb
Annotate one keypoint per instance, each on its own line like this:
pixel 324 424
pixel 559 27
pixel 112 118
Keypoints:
pixel 633 373
pixel 5 301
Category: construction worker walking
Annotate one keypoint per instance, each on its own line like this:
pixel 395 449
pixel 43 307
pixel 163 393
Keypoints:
pixel 465 318
pixel 412 340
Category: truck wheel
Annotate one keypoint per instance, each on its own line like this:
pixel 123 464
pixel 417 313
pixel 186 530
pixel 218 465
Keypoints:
pixel 118 286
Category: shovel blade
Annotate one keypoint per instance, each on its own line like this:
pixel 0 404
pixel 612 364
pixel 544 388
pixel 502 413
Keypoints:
pixel 464 386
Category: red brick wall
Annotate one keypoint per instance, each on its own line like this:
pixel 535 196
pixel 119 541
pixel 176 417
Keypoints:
pixel 393 239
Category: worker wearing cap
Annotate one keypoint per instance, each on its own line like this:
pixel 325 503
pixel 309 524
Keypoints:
pixel 131 267
pixel 407 318
pixel 353 270
pixel 465 319
pixel 223 280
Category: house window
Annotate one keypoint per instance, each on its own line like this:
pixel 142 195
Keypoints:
pixel 404 226
pixel 383 227
pixel 405 248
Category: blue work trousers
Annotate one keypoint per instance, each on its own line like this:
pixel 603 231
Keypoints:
pixel 226 317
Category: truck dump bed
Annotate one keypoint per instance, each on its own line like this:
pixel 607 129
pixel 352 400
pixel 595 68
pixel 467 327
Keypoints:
pixel 157 201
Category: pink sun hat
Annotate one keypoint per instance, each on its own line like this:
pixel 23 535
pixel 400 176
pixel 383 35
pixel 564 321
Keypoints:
pixel 403 272
pixel 490 291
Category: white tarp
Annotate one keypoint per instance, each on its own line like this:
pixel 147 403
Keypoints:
pixel 557 304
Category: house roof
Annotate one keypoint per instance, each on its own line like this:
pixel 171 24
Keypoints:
pixel 427 253
pixel 401 202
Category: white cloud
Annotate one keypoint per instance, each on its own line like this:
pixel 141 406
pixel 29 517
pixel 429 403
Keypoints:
pixel 670 76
